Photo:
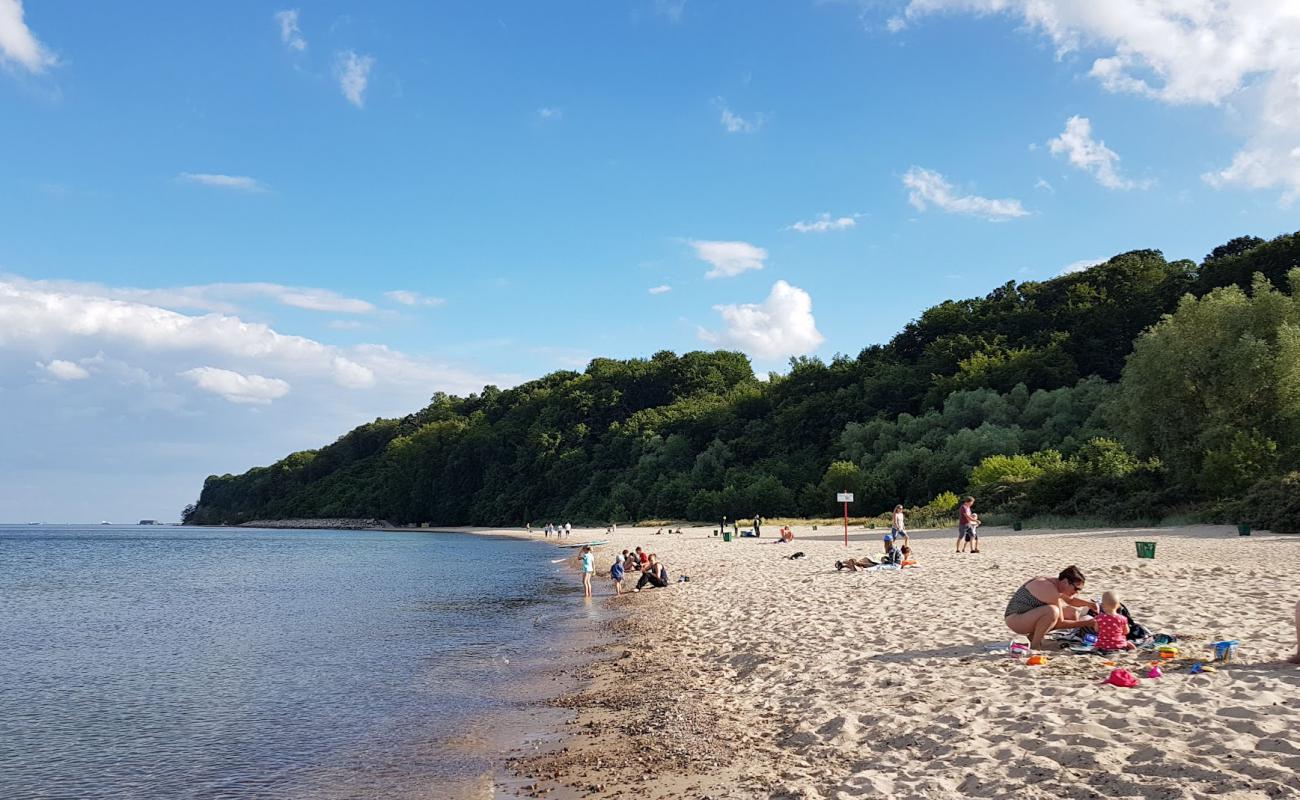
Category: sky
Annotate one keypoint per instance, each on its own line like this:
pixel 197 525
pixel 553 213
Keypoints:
pixel 232 231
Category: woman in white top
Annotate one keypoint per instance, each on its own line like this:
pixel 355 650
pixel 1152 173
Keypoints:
pixel 898 530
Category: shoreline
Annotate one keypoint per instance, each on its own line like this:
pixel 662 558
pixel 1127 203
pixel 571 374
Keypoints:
pixel 764 677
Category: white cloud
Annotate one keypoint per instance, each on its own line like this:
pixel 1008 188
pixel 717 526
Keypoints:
pixel 1237 54
pixel 289 33
pixel 550 114
pixel 1080 265
pixel 353 73
pixel 1045 186
pixel 895 24
pixel 734 123
pixel 33 317
pixel 240 182
pixel 672 9
pixel 223 297
pixel 408 298
pixel 236 386
pixel 729 258
pixel 929 188
pixel 1091 155
pixel 824 223
pixel 18 44
pixel 661 289
pixel 780 326
pixel 64 370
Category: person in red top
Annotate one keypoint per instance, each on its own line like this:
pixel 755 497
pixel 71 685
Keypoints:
pixel 967 525
pixel 1112 626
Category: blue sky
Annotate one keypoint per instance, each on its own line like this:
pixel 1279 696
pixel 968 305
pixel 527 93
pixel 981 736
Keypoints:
pixel 236 230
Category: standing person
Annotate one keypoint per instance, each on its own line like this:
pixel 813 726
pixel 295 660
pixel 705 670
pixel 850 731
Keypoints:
pixel 568 529
pixel 1295 659
pixel 758 522
pixel 967 520
pixel 616 573
pixel 529 526
pixel 588 567
pixel 898 526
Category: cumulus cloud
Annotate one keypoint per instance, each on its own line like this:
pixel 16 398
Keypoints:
pixel 236 386
pixel 929 188
pixel 18 45
pixel 779 327
pixel 353 73
pixel 661 289
pixel 408 298
pixel 734 123
pixel 825 223
pixel 32 316
pixel 729 258
pixel 550 114
pixel 289 33
pixel 1231 53
pixel 1090 155
pixel 64 370
pixel 241 183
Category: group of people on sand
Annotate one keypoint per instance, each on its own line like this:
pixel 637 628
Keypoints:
pixel 551 528
pixel 653 572
pixel 1044 604
pixel 898 548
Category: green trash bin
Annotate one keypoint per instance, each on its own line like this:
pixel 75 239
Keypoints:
pixel 1243 529
pixel 726 536
pixel 1146 549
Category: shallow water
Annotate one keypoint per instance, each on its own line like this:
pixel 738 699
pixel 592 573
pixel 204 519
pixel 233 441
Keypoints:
pixel 204 663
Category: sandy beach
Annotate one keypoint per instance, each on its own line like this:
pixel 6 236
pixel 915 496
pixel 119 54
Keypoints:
pixel 769 677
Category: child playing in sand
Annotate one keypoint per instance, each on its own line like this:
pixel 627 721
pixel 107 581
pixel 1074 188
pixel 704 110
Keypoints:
pixel 1112 626
pixel 908 561
pixel 616 573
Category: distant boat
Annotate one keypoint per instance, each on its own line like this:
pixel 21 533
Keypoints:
pixel 105 522
pixel 147 522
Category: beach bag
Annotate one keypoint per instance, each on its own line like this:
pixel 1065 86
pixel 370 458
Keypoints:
pixel 1136 632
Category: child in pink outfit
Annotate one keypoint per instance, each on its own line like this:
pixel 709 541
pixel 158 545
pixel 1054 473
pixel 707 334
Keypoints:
pixel 1112 626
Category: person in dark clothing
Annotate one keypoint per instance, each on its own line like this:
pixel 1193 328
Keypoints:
pixel 655 574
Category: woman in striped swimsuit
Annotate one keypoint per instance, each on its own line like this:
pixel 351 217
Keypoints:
pixel 1043 604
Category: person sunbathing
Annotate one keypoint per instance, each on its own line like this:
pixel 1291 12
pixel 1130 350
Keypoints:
pixel 1043 604
pixel 854 564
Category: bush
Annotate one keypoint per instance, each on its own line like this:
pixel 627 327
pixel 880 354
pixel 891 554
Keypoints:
pixel 1273 504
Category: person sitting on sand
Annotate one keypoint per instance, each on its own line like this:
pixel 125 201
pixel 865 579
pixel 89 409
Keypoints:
pixel 893 555
pixel 1112 626
pixel 643 557
pixel 854 564
pixel 1043 604
pixel 907 561
pixel 787 535
pixel 655 574
pixel 630 561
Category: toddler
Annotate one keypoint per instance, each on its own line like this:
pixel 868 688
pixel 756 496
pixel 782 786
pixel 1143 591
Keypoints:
pixel 616 573
pixel 1112 626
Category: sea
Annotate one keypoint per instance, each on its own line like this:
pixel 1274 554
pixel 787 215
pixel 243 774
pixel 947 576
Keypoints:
pixel 169 662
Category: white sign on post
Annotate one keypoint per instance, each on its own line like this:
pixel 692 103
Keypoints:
pixel 844 497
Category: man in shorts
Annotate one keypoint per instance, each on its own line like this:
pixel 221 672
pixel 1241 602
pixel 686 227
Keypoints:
pixel 967 526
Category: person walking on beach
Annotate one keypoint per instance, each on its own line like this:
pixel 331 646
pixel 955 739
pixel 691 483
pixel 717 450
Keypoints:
pixel 967 522
pixel 568 529
pixel 588 567
pixel 758 524
pixel 898 527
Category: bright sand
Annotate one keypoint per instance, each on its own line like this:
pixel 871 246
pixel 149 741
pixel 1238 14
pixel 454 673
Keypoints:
pixel 766 677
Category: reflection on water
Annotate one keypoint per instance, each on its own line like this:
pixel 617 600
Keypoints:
pixel 212 663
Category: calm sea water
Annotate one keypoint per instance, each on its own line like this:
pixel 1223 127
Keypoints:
pixel 215 663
